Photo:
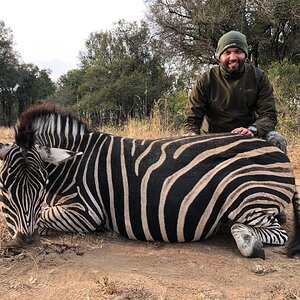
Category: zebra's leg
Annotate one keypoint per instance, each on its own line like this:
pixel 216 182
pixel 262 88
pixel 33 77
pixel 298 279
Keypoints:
pixel 250 240
pixel 68 218
pixel 247 241
pixel 43 229
pixel 273 234
pixel 48 232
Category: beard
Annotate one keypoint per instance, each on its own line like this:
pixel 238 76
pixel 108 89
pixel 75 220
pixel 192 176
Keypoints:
pixel 233 66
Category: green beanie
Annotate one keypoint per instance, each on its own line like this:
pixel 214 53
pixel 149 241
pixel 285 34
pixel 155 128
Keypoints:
pixel 232 39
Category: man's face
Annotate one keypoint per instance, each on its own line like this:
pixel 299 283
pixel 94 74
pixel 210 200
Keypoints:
pixel 232 59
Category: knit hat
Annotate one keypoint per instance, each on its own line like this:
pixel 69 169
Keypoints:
pixel 232 39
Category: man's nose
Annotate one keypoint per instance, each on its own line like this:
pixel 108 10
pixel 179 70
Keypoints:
pixel 233 56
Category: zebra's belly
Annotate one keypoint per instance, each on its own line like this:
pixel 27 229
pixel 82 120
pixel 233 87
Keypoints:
pixel 169 229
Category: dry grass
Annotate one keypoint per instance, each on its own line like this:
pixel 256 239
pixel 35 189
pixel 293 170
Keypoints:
pixel 4 236
pixel 116 289
pixel 294 154
pixel 154 127
pixel 283 293
pixel 151 128
pixel 6 134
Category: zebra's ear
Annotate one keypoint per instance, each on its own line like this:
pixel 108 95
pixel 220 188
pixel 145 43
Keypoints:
pixel 56 155
pixel 4 148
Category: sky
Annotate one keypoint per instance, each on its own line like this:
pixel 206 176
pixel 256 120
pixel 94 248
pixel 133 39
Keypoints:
pixel 51 33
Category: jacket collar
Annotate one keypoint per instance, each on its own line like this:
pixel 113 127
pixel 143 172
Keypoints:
pixel 232 75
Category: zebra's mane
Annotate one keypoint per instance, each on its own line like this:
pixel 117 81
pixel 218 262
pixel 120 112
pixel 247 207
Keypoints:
pixel 45 121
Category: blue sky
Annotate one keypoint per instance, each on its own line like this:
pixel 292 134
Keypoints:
pixel 50 33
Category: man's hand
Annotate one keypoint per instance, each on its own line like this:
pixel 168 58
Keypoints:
pixel 243 131
pixel 190 134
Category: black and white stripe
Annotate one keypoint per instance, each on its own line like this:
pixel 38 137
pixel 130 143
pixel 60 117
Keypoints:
pixel 173 190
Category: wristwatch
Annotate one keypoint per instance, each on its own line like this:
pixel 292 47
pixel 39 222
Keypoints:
pixel 253 129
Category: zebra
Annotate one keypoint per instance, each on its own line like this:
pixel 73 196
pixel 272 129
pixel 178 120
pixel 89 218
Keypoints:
pixel 61 176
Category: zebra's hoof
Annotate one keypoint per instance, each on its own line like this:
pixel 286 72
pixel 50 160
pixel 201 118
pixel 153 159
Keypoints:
pixel 247 242
pixel 258 250
pixel 293 248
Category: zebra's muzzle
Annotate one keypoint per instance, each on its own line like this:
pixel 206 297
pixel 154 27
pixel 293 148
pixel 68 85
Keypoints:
pixel 22 240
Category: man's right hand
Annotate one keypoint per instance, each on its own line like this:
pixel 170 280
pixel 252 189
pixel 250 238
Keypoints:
pixel 243 131
pixel 190 134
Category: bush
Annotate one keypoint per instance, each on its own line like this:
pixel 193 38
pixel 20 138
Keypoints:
pixel 285 78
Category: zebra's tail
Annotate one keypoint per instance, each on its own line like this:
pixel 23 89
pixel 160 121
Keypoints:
pixel 294 245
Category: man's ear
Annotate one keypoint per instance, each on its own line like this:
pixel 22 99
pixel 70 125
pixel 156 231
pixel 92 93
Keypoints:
pixel 56 155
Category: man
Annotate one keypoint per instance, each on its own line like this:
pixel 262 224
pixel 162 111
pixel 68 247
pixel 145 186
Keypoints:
pixel 235 96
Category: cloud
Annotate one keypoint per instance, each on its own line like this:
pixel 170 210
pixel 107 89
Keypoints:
pixel 50 33
pixel 57 67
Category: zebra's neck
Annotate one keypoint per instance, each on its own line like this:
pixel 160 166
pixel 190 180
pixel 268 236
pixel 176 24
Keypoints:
pixel 59 131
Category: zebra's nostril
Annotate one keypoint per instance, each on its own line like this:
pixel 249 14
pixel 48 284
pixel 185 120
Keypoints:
pixel 23 240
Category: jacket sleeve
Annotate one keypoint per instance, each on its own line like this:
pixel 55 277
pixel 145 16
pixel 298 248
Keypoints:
pixel 265 107
pixel 196 107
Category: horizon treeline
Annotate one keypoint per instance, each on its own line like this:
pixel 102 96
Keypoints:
pixel 127 71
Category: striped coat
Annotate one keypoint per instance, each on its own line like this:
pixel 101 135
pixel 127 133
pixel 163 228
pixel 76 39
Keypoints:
pixel 172 190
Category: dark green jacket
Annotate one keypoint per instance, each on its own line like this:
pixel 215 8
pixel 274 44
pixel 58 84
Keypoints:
pixel 230 101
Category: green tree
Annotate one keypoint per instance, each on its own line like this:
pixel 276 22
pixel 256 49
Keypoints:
pixel 33 85
pixel 122 72
pixel 67 89
pixel 8 75
pixel 285 78
pixel 191 29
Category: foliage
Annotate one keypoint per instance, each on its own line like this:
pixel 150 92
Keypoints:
pixel 191 29
pixel 134 71
pixel 285 78
pixel 67 92
pixel 33 85
pixel 122 73
pixel 164 120
pixel 171 108
pixel 8 73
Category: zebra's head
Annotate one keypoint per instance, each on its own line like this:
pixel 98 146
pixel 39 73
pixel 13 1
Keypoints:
pixel 23 179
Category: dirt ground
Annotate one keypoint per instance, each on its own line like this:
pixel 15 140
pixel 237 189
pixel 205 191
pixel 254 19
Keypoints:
pixel 110 267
